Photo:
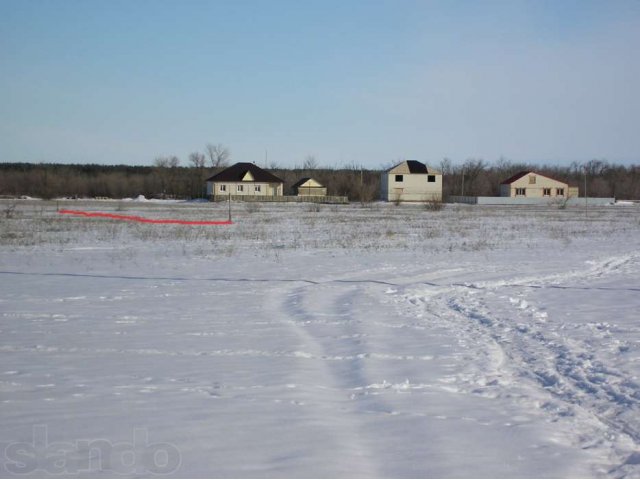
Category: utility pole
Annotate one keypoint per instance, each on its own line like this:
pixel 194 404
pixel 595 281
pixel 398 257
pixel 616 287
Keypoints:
pixel 586 198
pixel 462 194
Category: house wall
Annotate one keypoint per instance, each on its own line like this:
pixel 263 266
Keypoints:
pixel 414 187
pixel 384 186
pixel 248 188
pixel 311 188
pixel 534 190
pixel 401 168
pixel 311 191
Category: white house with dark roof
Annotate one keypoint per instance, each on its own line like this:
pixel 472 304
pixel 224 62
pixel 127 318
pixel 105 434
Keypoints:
pixel 529 184
pixel 411 181
pixel 244 179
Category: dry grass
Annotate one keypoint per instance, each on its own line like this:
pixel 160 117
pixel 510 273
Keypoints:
pixel 281 227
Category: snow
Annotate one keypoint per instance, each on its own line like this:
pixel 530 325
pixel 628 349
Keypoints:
pixel 376 341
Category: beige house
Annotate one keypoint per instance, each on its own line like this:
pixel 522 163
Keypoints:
pixel 411 181
pixel 244 179
pixel 309 187
pixel 533 185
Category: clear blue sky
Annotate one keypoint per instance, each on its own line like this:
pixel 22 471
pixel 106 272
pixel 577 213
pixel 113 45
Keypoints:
pixel 369 82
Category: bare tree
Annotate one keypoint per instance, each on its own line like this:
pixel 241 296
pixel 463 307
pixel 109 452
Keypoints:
pixel 446 166
pixel 197 159
pixel 472 168
pixel 161 162
pixel 503 164
pixel 310 163
pixel 198 162
pixel 595 167
pixel 166 172
pixel 166 162
pixel 160 169
pixel 219 155
pixel 174 161
pixel 353 166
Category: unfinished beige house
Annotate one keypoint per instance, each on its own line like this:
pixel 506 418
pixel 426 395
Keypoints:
pixel 533 185
pixel 309 187
pixel 411 181
pixel 244 179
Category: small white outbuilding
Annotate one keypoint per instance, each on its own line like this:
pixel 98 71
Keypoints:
pixel 309 187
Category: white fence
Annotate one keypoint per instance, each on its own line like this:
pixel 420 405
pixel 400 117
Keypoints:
pixel 280 198
pixel 571 202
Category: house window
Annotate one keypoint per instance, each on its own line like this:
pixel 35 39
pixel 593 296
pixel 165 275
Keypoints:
pixel 521 192
pixel 532 179
pixel 431 178
pixel 546 192
pixel 223 188
pixel 239 188
pixel 560 192
pixel 399 178
pixel 257 188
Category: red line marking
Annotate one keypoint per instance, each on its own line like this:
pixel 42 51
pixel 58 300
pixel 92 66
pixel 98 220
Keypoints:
pixel 133 218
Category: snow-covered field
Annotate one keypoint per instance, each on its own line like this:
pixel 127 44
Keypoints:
pixel 353 341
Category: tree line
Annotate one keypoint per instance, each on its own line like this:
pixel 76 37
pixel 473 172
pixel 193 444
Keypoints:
pixel 166 178
pixel 44 180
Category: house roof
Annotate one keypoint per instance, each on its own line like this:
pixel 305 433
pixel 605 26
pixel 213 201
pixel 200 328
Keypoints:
pixel 417 167
pixel 515 177
pixel 524 173
pixel 302 181
pixel 414 166
pixel 238 172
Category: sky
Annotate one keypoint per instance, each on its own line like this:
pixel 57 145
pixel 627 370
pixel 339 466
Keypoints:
pixel 347 81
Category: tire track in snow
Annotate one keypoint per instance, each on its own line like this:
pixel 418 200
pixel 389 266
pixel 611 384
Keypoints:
pixel 596 269
pixel 333 321
pixel 484 371
pixel 291 307
pixel 605 401
pixel 47 349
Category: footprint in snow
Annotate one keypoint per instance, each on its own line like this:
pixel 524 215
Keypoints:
pixel 520 303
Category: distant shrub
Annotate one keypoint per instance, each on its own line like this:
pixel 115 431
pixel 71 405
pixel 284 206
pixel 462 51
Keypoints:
pixel 252 207
pixel 434 204
pixel 560 202
pixel 10 210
